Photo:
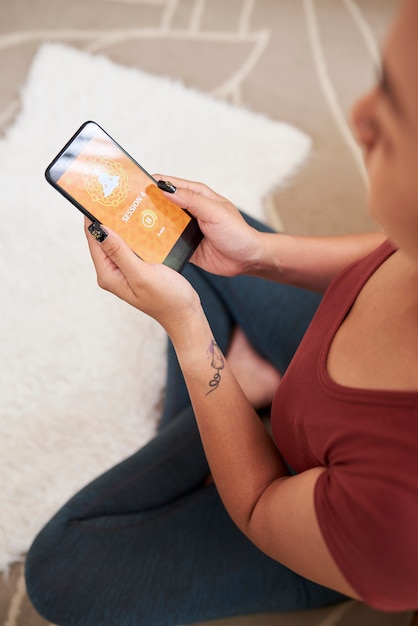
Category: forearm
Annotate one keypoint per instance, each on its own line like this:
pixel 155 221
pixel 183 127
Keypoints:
pixel 242 456
pixel 310 262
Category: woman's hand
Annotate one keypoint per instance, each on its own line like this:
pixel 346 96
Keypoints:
pixel 230 246
pixel 154 289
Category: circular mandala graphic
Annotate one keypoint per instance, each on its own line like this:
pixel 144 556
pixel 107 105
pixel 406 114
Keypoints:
pixel 106 181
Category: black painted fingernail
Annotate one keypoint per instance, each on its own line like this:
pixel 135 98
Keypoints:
pixel 165 185
pixel 98 232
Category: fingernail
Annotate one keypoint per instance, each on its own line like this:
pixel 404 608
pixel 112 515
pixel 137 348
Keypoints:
pixel 98 231
pixel 165 185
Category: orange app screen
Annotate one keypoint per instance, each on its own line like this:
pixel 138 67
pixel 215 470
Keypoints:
pixel 121 196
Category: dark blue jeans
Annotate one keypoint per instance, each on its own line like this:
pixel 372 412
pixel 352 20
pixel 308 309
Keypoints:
pixel 148 542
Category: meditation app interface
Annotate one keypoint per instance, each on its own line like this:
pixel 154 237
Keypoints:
pixel 103 180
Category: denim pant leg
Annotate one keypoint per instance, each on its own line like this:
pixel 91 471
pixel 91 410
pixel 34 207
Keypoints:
pixel 147 544
pixel 274 317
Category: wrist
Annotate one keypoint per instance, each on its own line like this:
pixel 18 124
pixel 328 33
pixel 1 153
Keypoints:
pixel 252 254
pixel 187 333
pixel 266 260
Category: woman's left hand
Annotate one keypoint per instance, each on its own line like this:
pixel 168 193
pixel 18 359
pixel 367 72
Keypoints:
pixel 155 289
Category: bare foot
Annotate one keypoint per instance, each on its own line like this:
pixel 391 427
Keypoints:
pixel 257 377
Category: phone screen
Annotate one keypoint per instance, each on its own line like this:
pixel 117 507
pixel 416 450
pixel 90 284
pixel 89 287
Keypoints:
pixel 105 181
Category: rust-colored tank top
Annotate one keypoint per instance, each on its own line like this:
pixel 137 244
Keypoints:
pixel 367 501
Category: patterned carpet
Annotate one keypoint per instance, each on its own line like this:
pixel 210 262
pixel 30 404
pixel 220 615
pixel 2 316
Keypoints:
pixel 302 61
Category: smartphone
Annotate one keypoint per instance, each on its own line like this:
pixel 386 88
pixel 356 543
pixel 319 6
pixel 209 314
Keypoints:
pixel 106 184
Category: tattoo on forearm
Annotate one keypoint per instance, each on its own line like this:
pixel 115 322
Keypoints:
pixel 218 363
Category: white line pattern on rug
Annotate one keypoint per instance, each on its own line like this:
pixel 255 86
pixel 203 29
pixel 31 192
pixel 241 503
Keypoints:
pixel 365 30
pixel 328 87
pixel 230 89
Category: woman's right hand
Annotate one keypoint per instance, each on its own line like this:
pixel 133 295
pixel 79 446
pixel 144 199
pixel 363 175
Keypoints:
pixel 230 246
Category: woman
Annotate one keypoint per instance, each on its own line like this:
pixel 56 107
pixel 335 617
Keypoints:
pixel 330 509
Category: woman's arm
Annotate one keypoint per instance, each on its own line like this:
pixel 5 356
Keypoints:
pixel 310 262
pixel 232 247
pixel 273 509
